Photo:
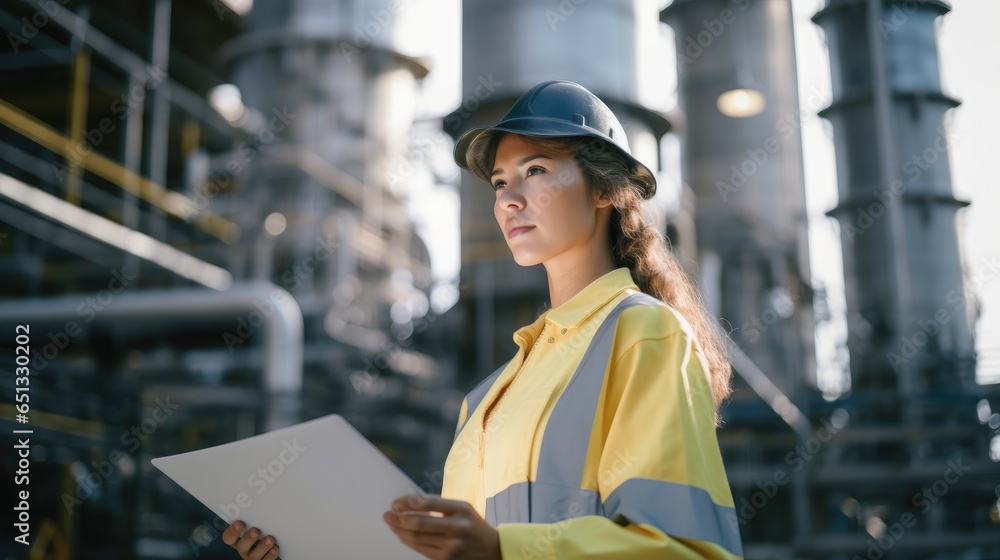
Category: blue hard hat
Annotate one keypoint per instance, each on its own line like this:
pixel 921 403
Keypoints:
pixel 555 108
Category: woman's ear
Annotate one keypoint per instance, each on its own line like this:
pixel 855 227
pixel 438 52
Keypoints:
pixel 600 199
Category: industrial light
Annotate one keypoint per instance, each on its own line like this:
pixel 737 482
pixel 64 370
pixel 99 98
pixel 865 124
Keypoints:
pixel 227 101
pixel 275 223
pixel 875 526
pixel 741 103
pixel 241 7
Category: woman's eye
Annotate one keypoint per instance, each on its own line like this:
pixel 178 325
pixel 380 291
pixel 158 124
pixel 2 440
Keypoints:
pixel 499 184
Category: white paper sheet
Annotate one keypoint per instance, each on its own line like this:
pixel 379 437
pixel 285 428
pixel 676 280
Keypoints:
pixel 319 487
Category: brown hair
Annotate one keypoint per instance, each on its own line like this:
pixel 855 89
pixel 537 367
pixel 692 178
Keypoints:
pixel 635 243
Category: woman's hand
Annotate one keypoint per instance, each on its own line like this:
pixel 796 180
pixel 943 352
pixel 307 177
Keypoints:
pixel 443 529
pixel 248 544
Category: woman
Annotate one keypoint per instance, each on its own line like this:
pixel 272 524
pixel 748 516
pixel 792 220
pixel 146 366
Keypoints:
pixel 597 440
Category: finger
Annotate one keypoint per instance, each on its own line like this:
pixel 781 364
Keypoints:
pixel 430 502
pixel 427 522
pixel 247 541
pixel 440 541
pixel 232 533
pixel 411 521
pixel 408 534
pixel 263 548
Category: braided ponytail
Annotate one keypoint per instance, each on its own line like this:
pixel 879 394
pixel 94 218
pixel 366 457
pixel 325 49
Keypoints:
pixel 645 251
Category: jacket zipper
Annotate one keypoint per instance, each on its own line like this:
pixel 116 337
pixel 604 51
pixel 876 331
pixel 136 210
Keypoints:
pixel 482 434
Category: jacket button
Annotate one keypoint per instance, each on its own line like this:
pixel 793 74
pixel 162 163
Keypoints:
pixel 563 331
pixel 551 339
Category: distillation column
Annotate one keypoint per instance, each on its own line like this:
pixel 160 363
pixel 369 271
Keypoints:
pixel 909 328
pixel 913 398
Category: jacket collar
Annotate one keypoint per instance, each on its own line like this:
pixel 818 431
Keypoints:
pixel 573 312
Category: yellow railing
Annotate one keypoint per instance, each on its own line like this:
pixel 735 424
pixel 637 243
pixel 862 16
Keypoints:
pixel 171 202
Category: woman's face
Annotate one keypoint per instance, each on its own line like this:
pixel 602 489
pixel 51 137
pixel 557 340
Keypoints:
pixel 547 192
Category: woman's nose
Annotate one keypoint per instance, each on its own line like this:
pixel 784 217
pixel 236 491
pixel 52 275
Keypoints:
pixel 511 196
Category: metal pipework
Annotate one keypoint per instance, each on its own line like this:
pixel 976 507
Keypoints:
pixel 282 327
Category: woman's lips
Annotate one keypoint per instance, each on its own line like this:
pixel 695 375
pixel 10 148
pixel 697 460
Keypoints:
pixel 518 231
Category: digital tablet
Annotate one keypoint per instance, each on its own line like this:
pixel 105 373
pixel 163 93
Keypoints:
pixel 319 487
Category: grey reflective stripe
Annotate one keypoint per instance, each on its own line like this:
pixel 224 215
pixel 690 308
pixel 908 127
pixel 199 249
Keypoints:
pixel 554 502
pixel 679 510
pixel 514 502
pixel 567 433
pixel 477 395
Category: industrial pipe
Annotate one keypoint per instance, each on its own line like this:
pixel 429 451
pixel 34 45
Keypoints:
pixel 282 327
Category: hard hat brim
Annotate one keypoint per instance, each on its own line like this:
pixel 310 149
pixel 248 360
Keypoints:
pixel 542 127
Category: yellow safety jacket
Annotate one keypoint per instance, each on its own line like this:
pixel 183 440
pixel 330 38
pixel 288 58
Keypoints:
pixel 604 445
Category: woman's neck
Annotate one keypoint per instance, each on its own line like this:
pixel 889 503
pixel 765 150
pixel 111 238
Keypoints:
pixel 567 281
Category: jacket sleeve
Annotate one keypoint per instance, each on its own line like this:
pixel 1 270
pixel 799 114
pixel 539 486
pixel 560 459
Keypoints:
pixel 660 474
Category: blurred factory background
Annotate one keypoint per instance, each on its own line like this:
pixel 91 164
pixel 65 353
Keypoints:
pixel 206 220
